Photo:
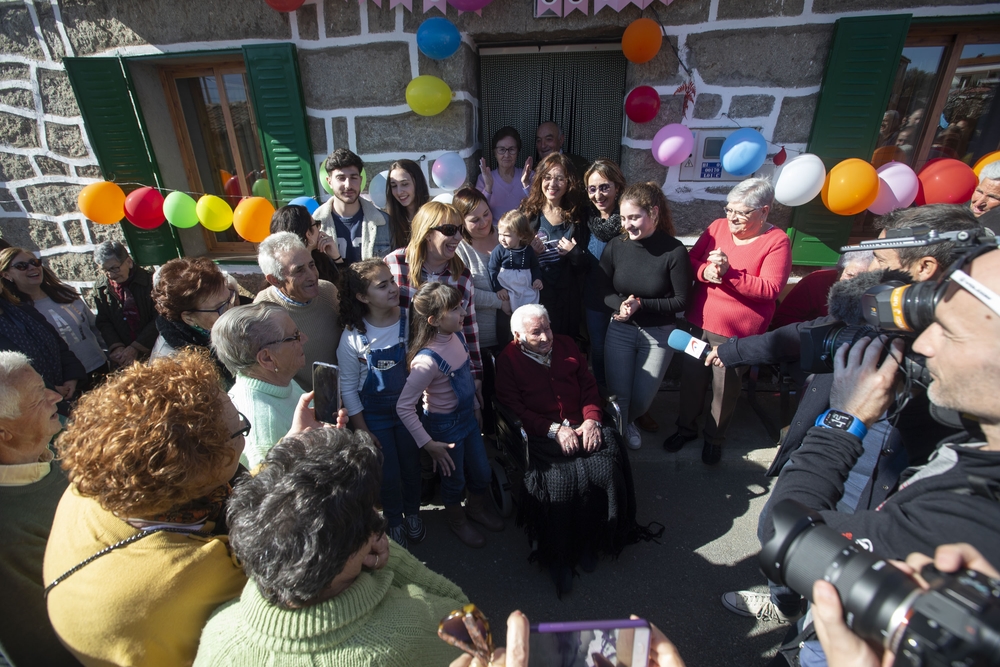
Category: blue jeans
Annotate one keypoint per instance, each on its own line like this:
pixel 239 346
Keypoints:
pixel 597 327
pixel 472 468
pixel 400 466
pixel 637 359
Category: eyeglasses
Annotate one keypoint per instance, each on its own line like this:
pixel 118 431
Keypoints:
pixel 315 224
pixel 447 230
pixel 603 188
pixel 297 336
pixel 245 431
pixel 558 180
pixel 506 151
pixel 113 270
pixel 23 266
pixel 468 629
pixel 221 309
pixel 742 215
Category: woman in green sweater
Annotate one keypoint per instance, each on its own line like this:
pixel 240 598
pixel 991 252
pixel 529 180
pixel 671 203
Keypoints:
pixel 326 587
pixel 262 348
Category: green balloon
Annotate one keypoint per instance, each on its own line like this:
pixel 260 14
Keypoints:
pixel 261 188
pixel 324 179
pixel 180 210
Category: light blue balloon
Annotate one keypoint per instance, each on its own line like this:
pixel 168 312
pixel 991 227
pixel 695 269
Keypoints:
pixel 438 38
pixel 310 203
pixel 744 152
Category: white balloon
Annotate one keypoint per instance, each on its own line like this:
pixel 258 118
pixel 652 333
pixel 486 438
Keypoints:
pixel 376 189
pixel 800 180
pixel 897 188
pixel 448 171
pixel 445 198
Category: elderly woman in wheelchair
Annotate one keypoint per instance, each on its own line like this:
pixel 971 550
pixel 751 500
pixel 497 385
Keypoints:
pixel 577 500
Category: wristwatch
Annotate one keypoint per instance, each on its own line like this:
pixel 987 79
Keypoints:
pixel 842 421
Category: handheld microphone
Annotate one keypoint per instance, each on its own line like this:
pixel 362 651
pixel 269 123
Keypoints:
pixel 684 342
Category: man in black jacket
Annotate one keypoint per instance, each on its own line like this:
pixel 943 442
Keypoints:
pixel 876 474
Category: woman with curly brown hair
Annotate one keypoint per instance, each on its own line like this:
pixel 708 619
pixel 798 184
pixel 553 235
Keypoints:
pixel 138 556
pixel 555 206
pixel 190 295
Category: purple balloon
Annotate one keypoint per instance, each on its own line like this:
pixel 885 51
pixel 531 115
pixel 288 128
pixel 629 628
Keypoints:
pixel 672 144
pixel 897 188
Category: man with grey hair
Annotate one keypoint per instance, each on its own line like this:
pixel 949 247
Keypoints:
pixel 30 489
pixel 987 194
pixel 126 314
pixel 312 303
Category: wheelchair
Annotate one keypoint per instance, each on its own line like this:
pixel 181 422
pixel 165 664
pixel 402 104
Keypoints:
pixel 513 460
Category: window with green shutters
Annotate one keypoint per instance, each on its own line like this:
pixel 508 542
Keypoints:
pixel 252 127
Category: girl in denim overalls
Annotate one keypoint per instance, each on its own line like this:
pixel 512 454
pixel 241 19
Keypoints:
pixel 449 429
pixel 373 369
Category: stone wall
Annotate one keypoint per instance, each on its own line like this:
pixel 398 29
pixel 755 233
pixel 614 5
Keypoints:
pixel 754 62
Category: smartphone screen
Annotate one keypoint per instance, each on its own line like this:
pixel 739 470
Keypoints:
pixel 326 384
pixel 590 644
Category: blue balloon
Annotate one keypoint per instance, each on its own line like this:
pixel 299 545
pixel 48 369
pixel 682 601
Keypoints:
pixel 744 152
pixel 310 203
pixel 438 38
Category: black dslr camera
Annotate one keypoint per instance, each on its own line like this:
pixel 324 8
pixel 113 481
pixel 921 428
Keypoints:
pixel 894 308
pixel 954 623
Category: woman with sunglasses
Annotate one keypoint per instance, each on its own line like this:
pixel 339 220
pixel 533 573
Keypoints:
pixel 23 329
pixel 37 286
pixel 555 206
pixel 503 187
pixel 190 295
pixel 431 256
pixel 260 345
pixel 741 263
pixel 322 246
pixel 126 314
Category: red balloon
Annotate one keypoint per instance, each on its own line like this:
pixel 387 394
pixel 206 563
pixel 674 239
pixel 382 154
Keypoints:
pixel 285 5
pixel 642 104
pixel 947 181
pixel 780 157
pixel 144 208
pixel 469 5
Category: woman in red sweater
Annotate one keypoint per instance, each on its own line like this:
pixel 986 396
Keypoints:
pixel 741 263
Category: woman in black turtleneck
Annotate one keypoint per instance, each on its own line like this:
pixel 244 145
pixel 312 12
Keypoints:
pixel 647 278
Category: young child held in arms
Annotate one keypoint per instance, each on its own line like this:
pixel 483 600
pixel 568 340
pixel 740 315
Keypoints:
pixel 441 373
pixel 373 372
pixel 514 271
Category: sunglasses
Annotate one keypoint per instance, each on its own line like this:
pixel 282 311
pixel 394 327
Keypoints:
pixel 469 630
pixel 245 431
pixel 447 230
pixel 23 266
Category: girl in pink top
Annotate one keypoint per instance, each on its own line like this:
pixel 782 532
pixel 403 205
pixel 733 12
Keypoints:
pixel 449 431
pixel 741 263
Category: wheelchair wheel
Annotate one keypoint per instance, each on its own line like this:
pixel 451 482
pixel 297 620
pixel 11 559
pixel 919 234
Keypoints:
pixel 500 489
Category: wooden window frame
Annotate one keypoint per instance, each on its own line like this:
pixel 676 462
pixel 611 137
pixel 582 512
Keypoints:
pixel 217 67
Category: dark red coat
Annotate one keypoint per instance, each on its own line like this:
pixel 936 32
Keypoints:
pixel 540 395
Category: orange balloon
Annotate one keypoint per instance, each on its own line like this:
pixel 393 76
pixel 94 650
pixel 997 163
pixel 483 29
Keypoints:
pixel 642 40
pixel 103 202
pixel 887 154
pixel 851 187
pixel 252 219
pixel 225 176
pixel 985 160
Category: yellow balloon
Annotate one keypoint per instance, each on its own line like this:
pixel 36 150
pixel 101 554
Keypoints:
pixel 428 95
pixel 989 158
pixel 214 213
pixel 851 187
pixel 103 202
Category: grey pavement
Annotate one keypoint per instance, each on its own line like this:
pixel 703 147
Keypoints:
pixel 709 547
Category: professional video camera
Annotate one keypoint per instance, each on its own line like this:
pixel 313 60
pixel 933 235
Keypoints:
pixel 955 622
pixel 894 308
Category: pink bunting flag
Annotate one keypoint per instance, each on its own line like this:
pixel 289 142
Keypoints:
pixel 601 4
pixel 439 5
pixel 666 2
pixel 642 3
pixel 570 6
pixel 543 7
pixel 406 3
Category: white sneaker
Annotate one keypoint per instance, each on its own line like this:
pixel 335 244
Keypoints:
pixel 757 605
pixel 632 437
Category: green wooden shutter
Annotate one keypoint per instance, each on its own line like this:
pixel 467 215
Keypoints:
pixel 863 61
pixel 118 135
pixel 273 73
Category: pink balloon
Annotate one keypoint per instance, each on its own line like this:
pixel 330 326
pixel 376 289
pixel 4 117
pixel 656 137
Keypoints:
pixel 469 5
pixel 897 188
pixel 672 144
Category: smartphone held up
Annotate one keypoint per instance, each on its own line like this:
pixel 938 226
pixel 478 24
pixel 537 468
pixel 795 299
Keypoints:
pixel 326 385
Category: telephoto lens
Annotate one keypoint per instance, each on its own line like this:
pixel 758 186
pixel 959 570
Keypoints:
pixel 894 306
